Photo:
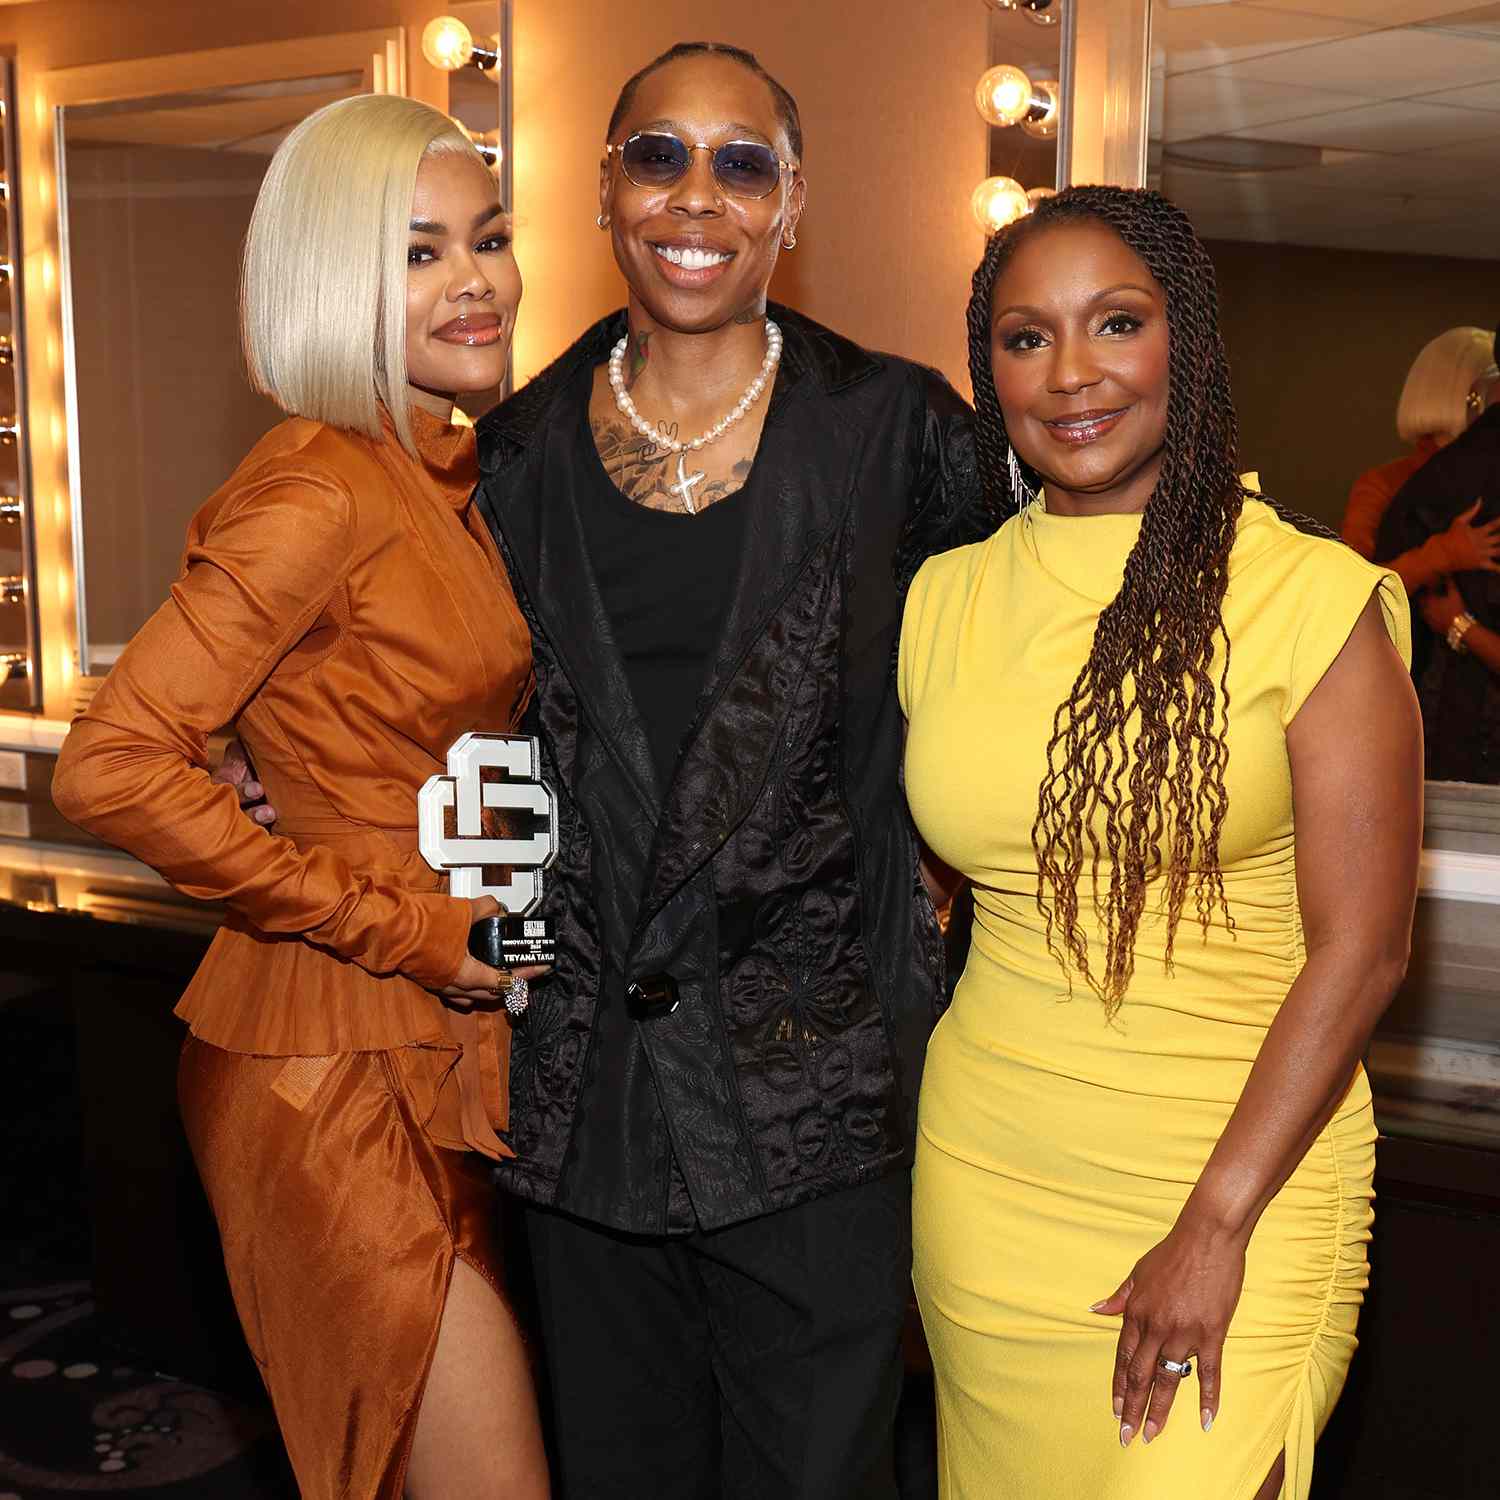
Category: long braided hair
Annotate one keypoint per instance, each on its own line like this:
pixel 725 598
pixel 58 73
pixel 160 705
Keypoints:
pixel 1136 763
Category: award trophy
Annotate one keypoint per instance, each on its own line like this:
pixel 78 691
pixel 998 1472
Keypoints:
pixel 491 825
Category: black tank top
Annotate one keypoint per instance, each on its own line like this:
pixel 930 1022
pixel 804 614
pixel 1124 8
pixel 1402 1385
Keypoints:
pixel 667 579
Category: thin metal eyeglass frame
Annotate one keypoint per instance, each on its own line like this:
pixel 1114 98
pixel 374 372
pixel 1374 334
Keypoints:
pixel 783 164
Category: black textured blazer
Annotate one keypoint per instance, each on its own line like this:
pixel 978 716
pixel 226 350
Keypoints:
pixel 749 968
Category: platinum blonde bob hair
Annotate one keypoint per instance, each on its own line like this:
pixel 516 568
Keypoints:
pixel 323 280
pixel 1435 399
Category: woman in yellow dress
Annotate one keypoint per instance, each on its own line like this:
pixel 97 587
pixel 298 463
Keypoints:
pixel 1170 739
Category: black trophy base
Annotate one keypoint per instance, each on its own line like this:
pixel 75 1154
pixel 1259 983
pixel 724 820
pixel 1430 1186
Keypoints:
pixel 513 942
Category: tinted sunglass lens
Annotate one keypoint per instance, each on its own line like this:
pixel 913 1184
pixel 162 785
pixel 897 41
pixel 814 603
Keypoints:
pixel 747 169
pixel 654 160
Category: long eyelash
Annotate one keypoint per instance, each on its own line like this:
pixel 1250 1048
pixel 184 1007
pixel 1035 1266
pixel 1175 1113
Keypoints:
pixel 500 241
pixel 1013 340
pixel 414 250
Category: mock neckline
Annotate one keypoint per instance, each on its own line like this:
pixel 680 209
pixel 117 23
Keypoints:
pixel 447 452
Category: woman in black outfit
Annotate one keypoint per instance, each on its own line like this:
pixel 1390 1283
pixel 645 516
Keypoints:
pixel 712 1099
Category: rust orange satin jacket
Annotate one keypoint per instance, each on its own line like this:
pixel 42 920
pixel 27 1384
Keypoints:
pixel 346 605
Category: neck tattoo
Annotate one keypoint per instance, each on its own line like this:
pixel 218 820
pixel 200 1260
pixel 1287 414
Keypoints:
pixel 683 489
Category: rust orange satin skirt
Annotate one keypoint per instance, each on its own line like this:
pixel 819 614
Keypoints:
pixel 340 1221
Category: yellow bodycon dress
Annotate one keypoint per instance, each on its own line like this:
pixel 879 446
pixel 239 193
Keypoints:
pixel 1055 1147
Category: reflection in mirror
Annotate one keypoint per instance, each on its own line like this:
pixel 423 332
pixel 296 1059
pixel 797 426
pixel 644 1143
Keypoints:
pixel 1339 158
pixel 158 195
pixel 1021 97
pixel 20 684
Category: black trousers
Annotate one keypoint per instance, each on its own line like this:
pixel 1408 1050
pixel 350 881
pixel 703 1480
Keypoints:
pixel 757 1362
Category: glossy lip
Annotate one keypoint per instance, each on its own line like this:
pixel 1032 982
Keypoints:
pixel 680 276
pixel 1085 426
pixel 472 332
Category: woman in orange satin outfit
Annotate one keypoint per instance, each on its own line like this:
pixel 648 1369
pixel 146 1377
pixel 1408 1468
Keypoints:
pixel 343 602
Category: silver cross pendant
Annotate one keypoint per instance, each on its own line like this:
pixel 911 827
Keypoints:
pixel 683 489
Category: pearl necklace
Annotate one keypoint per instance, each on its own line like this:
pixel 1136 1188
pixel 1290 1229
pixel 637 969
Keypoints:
pixel 683 489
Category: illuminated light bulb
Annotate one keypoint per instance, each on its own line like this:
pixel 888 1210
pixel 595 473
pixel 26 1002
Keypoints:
pixel 1035 195
pixel 447 43
pixel 999 201
pixel 1041 119
pixel 1004 95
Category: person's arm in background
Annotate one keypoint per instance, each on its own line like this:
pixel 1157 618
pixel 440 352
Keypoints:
pixel 1463 547
pixel 1443 605
pixel 1369 496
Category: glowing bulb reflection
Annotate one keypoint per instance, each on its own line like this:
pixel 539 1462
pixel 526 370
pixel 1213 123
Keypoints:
pixel 447 43
pixel 1004 95
pixel 999 201
pixel 1042 123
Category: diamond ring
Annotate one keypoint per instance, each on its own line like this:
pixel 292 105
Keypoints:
pixel 517 997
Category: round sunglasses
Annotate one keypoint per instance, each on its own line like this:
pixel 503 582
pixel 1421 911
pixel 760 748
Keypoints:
pixel 744 169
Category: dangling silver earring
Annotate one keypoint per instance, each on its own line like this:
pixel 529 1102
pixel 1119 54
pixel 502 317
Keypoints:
pixel 789 240
pixel 602 221
pixel 1020 491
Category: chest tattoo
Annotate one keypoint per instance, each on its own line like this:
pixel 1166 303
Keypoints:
pixel 647 473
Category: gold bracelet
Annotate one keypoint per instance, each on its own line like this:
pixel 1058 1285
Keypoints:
pixel 1461 626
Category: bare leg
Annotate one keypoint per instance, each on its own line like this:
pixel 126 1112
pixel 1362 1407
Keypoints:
pixel 477 1437
pixel 1272 1487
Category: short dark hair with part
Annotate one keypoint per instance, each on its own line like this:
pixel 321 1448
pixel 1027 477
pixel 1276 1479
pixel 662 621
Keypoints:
pixel 786 106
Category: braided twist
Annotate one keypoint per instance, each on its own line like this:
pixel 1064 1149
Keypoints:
pixel 1136 764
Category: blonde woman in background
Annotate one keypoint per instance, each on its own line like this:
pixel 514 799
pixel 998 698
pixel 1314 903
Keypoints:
pixel 342 600
pixel 1445 390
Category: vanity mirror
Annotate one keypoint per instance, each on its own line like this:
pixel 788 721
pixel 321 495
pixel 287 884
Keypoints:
pixel 20 676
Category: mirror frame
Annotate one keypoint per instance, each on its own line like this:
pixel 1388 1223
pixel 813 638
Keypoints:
pixel 52 401
pixel 21 692
pixel 1111 91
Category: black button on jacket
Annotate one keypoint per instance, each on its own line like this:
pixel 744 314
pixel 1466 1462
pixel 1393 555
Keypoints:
pixel 774 883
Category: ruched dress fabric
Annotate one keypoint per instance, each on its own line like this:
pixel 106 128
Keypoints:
pixel 1056 1147
pixel 345 604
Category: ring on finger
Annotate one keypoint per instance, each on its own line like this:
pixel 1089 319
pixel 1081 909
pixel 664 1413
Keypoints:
pixel 1179 1367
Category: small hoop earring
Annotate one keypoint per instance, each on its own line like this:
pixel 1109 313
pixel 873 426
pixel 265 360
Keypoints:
pixel 789 241
pixel 1020 492
pixel 602 221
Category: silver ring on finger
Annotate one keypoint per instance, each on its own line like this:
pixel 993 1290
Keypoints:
pixel 517 996
pixel 1182 1368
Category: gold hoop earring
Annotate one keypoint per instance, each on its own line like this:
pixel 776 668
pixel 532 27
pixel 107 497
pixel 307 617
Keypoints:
pixel 789 241
pixel 602 221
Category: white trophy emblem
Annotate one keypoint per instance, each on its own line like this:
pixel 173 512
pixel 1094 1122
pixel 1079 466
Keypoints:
pixel 496 774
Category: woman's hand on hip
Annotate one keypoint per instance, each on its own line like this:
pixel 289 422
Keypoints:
pixel 1175 1305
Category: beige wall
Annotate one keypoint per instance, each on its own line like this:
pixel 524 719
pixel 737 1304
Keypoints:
pixel 894 148
pixel 1319 344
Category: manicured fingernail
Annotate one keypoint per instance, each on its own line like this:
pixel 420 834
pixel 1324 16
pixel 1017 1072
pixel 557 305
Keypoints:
pixel 1149 1431
pixel 1126 1433
pixel 1097 1306
pixel 1208 1420
pixel 1119 1405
